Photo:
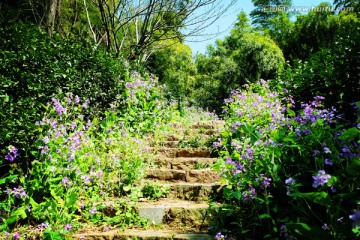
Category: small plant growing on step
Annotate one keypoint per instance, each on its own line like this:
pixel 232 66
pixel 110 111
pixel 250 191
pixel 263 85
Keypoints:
pixel 154 190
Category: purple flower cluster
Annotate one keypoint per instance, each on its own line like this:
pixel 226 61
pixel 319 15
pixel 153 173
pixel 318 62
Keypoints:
pixel 219 235
pixel 320 179
pixel 264 181
pixel 289 182
pixel 18 192
pixel 68 227
pixel 12 154
pixel 239 168
pixel 249 194
pixel 58 108
pixel 217 144
pixel 311 112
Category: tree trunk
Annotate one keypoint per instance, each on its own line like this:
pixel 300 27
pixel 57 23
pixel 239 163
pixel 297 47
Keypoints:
pixel 51 15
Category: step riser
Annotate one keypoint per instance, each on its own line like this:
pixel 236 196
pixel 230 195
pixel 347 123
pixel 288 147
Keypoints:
pixel 184 152
pixel 195 218
pixel 143 235
pixel 200 176
pixel 196 193
pixel 184 163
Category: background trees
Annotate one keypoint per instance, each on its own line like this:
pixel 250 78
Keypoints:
pixel 243 57
pixel 131 28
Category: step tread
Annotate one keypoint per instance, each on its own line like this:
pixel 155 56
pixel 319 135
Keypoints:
pixel 144 234
pixel 172 203
pixel 205 175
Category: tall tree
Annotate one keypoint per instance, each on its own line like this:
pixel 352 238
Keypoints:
pixel 266 10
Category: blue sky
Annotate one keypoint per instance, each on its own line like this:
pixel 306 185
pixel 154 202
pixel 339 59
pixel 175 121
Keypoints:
pixel 224 24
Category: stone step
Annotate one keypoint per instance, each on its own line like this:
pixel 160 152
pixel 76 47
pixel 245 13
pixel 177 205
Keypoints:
pixel 142 234
pixel 197 175
pixel 201 124
pixel 178 214
pixel 184 163
pixel 183 152
pixel 193 191
pixel 182 137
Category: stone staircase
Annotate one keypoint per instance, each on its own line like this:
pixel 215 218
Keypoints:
pixel 184 214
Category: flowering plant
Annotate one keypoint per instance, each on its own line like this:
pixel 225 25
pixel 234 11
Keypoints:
pixel 286 174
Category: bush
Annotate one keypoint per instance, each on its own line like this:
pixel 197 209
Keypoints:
pixel 34 68
pixel 288 176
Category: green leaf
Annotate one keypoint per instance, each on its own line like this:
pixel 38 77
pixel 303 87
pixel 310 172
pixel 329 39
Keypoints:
pixel 354 167
pixel 350 134
pixel 320 198
pixel 309 232
pixel 8 179
pixel 237 195
pixel 265 215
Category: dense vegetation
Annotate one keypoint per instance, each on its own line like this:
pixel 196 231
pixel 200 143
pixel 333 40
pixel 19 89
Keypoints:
pixel 77 101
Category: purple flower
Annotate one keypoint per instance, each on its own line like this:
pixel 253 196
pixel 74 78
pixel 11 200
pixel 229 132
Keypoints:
pixel 65 181
pixel 77 99
pixel 43 225
pixel 219 235
pixel 12 154
pixel 68 227
pixel 128 85
pixel 355 216
pixel 307 132
pixel 85 104
pixel 217 144
pixel 73 126
pixel 16 236
pixel 290 181
pixel 327 150
pixel 264 181
pixel 316 152
pixel 58 108
pixel 320 179
pixel 92 211
pixel 19 192
pixel 325 226
pixel 328 161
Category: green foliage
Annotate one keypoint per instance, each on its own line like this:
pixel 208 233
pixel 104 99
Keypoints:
pixel 264 11
pixel 175 67
pixel 286 173
pixel 243 57
pixel 81 165
pixel 35 68
pixel 328 62
pixel 154 190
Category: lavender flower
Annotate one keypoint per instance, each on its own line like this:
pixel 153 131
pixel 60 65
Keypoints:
pixel 68 227
pixel 327 150
pixel 16 236
pixel 19 192
pixel 217 144
pixel 58 108
pixel 264 181
pixel 12 154
pixel 219 235
pixel 325 227
pixel 320 179
pixel 328 161
pixel 44 225
pixel 290 181
pixel 77 100
pixel 355 216
pixel 65 181
pixel 92 211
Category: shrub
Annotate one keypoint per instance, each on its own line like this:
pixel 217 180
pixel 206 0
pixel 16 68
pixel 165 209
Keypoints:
pixel 34 68
pixel 288 175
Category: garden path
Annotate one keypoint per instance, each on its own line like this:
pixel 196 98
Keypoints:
pixel 182 164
